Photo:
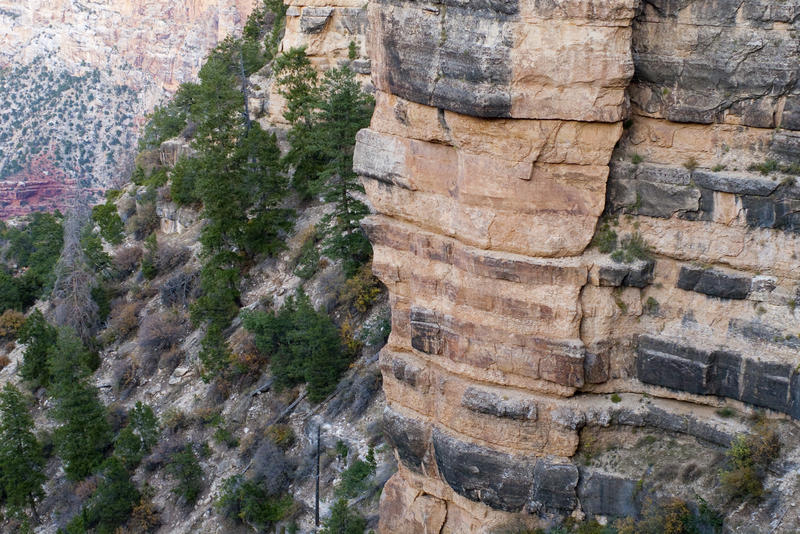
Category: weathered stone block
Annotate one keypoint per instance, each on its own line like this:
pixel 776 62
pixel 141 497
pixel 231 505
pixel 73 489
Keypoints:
pixel 409 437
pixel 455 58
pixel 725 75
pixel 665 363
pixel 766 384
pixel 314 19
pixel 361 66
pixel 759 211
pixel 787 215
pixel 562 368
pixel 595 368
pixel 665 200
pixel 791 113
pixel 496 479
pixel 763 333
pixel 554 487
pixel 738 183
pixel 354 20
pixel 708 433
pixel 658 418
pixel 714 283
pixel 426 333
pixel 638 274
pixel 482 59
pixel 724 380
pixel 787 144
pixel 381 157
pixel 489 403
pixel 652 199
pixel 605 494
pixel 405 372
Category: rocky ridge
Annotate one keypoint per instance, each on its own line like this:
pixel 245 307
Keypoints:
pixel 506 136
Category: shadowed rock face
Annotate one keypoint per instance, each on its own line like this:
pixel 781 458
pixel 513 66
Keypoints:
pixel 726 58
pixel 521 59
pixel 491 157
pixel 499 480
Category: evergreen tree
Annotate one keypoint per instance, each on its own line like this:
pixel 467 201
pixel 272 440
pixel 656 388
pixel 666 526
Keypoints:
pixel 325 118
pixel 316 339
pixel 343 521
pixel 186 470
pixel 34 248
pixel 238 179
pixel 345 109
pixel 215 355
pixel 84 434
pixel 298 83
pixel 138 437
pixel 113 500
pixel 10 298
pixel 304 345
pixel 21 459
pixel 145 423
pixel 39 336
pixel 109 221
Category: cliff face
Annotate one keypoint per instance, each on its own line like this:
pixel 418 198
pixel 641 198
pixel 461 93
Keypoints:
pixel 503 132
pixel 78 78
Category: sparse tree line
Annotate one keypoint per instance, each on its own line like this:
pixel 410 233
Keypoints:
pixel 243 183
pixel 245 187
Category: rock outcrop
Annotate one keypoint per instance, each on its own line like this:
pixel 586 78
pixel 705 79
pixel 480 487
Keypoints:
pixel 506 136
pixel 325 28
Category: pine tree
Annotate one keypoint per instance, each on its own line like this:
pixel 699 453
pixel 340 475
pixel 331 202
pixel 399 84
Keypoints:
pixel 316 340
pixel 298 83
pixel 84 434
pixel 237 177
pixel 39 336
pixel 144 422
pixel 304 346
pixel 113 500
pixel 345 109
pixel 188 473
pixel 138 437
pixel 21 459
pixel 343 521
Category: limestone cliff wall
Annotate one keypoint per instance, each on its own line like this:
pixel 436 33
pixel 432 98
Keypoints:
pixel 506 135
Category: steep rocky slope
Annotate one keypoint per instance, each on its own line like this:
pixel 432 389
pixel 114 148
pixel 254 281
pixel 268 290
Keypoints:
pixel 521 359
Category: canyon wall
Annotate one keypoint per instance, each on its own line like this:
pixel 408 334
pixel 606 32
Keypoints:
pixel 532 374
pixel 77 79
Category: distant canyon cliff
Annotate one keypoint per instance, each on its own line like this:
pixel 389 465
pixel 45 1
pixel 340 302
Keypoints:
pixel 77 78
pixel 142 42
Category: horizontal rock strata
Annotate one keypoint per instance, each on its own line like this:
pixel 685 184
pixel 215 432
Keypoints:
pixel 501 151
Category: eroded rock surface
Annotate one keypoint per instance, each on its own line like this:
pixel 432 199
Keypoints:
pixel 492 155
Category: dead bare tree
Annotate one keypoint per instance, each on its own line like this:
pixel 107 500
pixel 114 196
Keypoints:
pixel 72 293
